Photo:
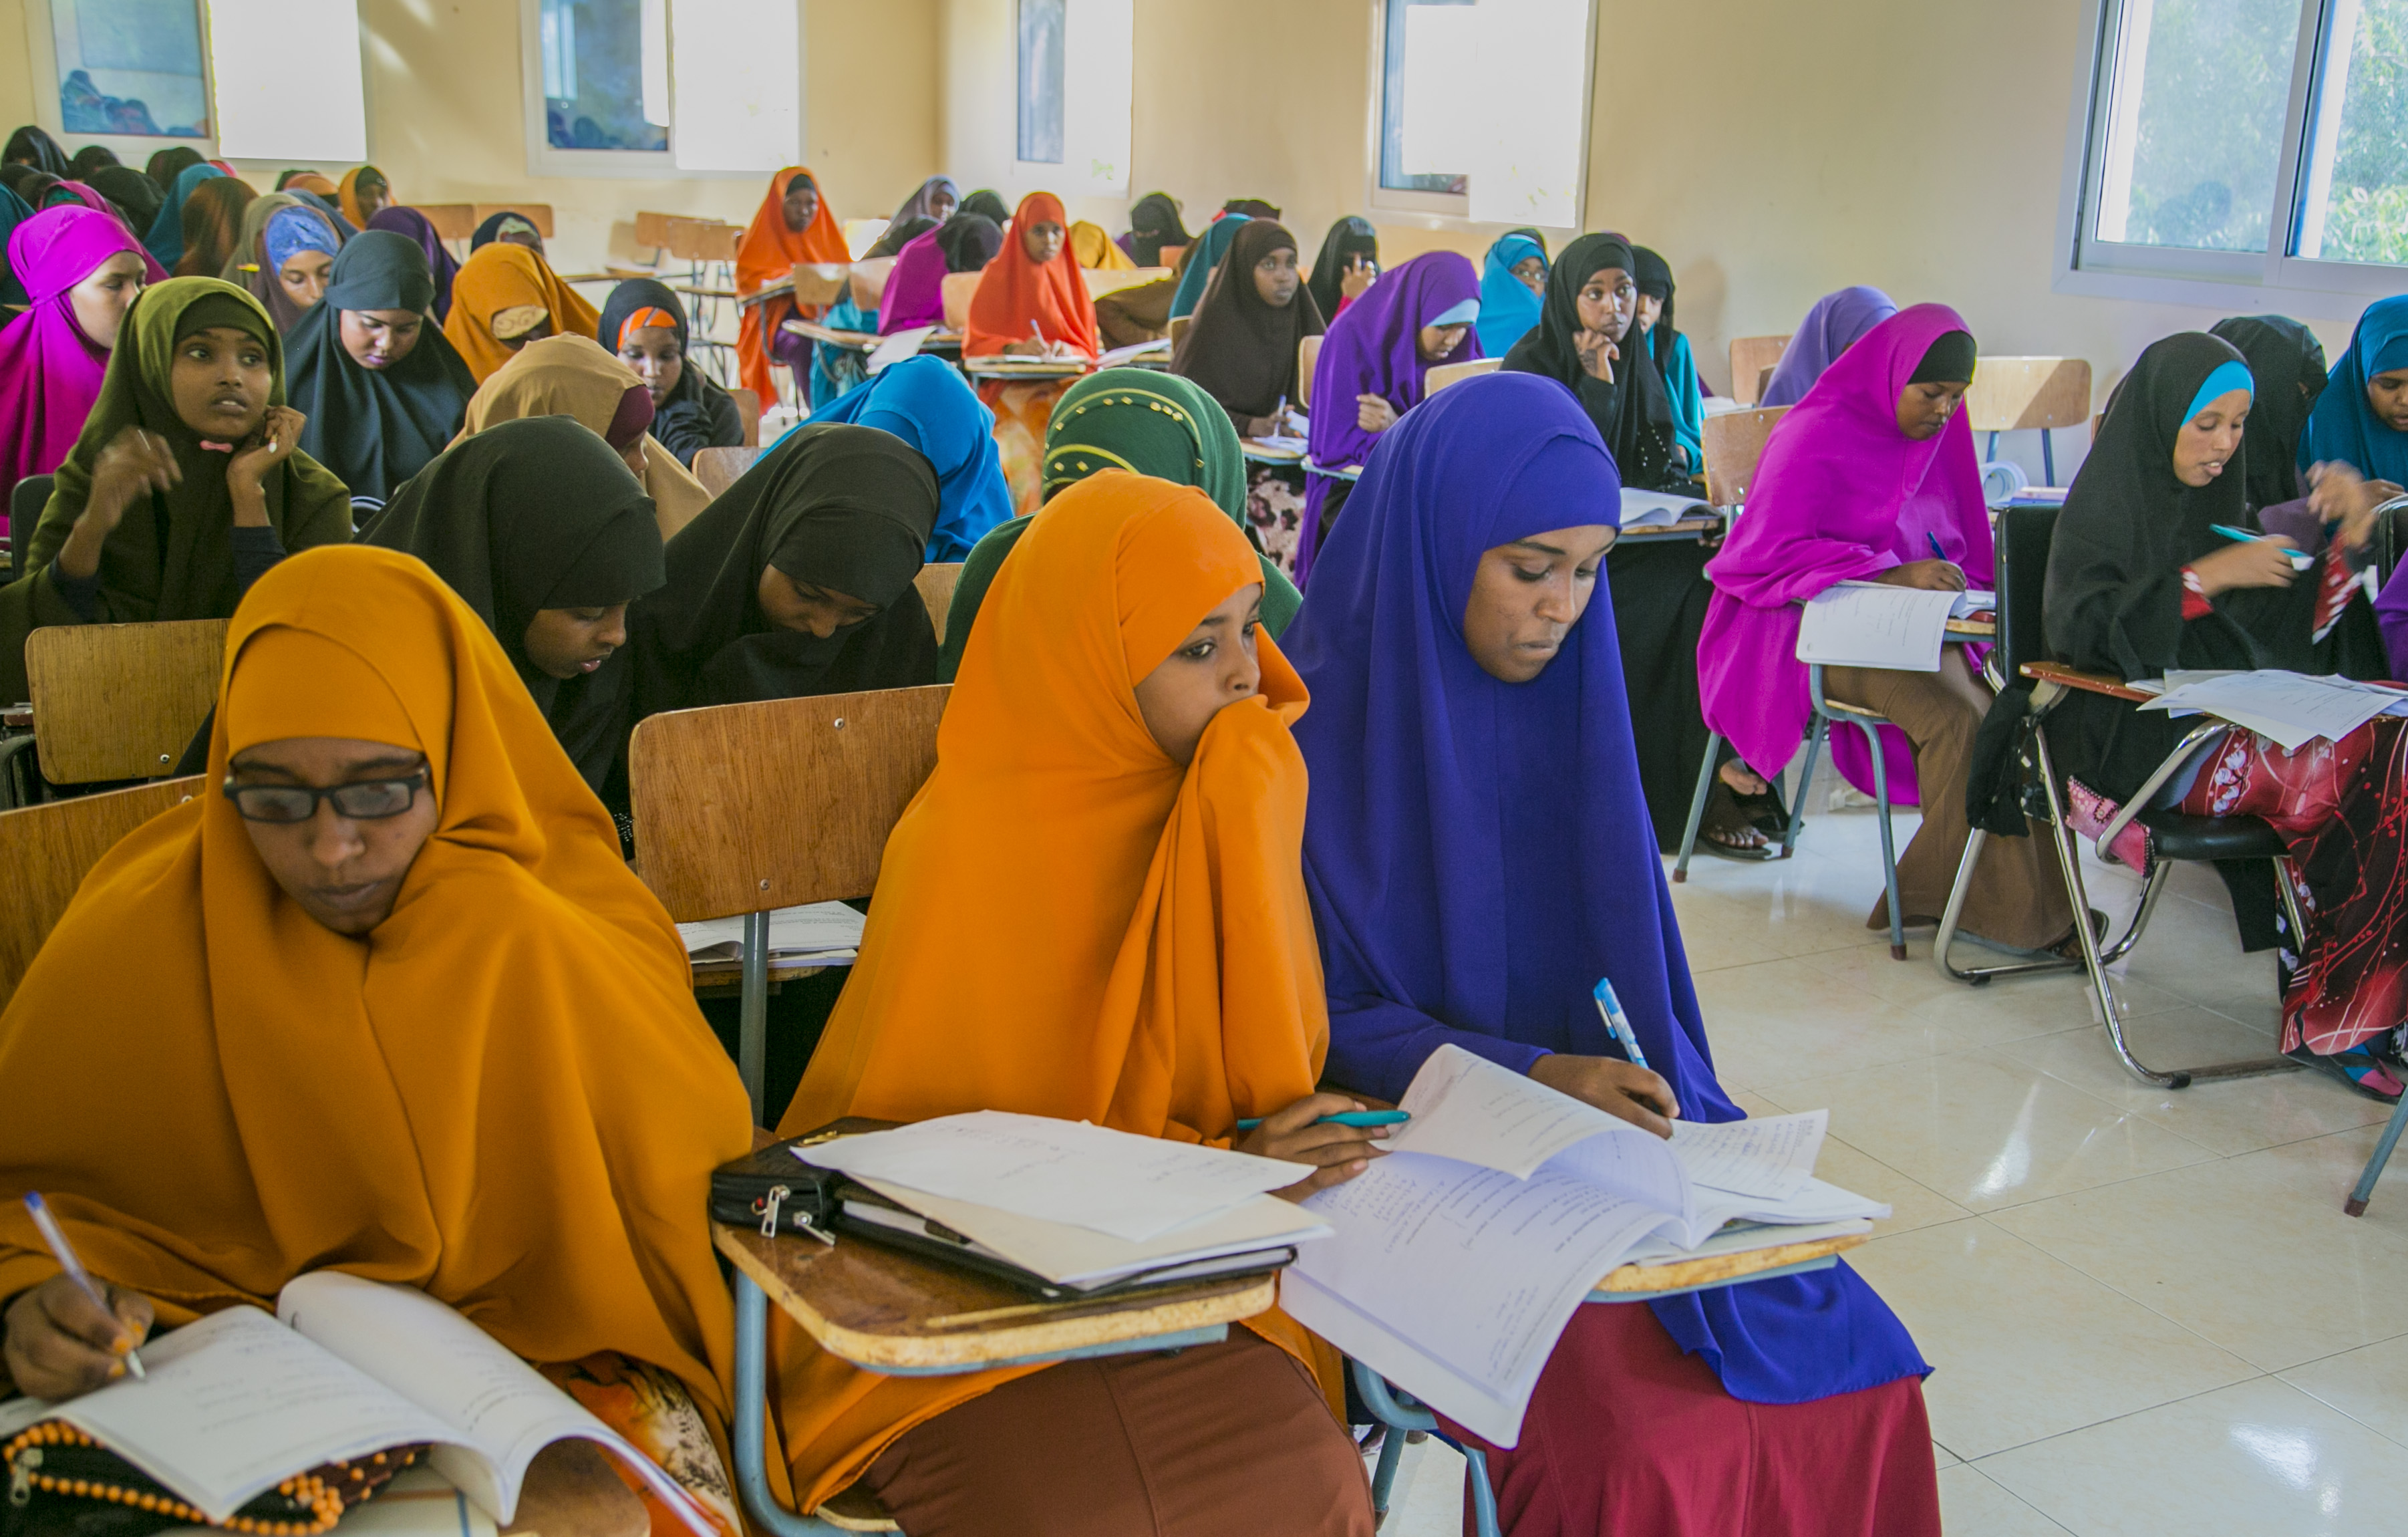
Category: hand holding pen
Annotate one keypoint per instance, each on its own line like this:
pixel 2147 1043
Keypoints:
pixel 1327 1130
pixel 74 1332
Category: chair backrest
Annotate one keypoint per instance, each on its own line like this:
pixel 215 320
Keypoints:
pixel 120 701
pixel 1103 281
pixel 744 808
pixel 957 288
pixel 718 469
pixel 653 229
pixel 1734 442
pixel 1307 353
pixel 1749 357
pixel 1179 324
pixel 47 851
pixel 538 214
pixel 25 503
pixel 937 580
pixel 1456 373
pixel 2023 536
pixel 703 239
pixel 2013 394
pixel 748 410
pixel 452 221
pixel 869 280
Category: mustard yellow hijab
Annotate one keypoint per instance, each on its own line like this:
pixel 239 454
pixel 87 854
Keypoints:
pixel 573 375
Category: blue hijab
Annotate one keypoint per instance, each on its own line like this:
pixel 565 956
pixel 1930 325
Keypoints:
pixel 1508 306
pixel 2343 426
pixel 1479 853
pixel 166 237
pixel 928 404
pixel 1217 236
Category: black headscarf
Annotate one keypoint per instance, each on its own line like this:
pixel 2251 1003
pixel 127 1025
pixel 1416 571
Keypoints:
pixel 491 231
pixel 1252 207
pixel 36 147
pixel 30 183
pixel 135 197
pixel 2114 593
pixel 530 514
pixel 899 234
pixel 91 158
pixel 986 203
pixel 1153 223
pixel 170 163
pixel 2287 362
pixel 970 240
pixel 1634 413
pixel 1239 350
pixel 1654 280
pixel 695 415
pixel 844 506
pixel 1347 238
pixel 375 428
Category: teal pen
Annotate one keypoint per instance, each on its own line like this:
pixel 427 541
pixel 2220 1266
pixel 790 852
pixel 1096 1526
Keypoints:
pixel 1347 1117
pixel 1610 1007
pixel 2300 559
pixel 1937 552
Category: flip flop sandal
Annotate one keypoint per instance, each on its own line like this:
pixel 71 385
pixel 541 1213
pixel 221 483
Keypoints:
pixel 1723 819
pixel 2360 1070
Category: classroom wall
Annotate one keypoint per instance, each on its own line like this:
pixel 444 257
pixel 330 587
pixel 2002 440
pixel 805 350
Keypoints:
pixel 446 119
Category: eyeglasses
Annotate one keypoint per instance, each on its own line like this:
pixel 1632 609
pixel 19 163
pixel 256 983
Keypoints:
pixel 362 800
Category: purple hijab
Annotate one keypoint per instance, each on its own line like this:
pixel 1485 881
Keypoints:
pixel 1374 348
pixel 1479 853
pixel 49 370
pixel 1836 324
pixel 2391 613
pixel 414 226
pixel 915 286
pixel 1840 495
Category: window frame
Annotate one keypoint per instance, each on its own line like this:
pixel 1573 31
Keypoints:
pixel 42 46
pixel 1452 211
pixel 2211 279
pixel 544 159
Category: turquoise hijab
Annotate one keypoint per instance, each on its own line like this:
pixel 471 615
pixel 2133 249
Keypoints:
pixel 1509 307
pixel 166 237
pixel 1190 291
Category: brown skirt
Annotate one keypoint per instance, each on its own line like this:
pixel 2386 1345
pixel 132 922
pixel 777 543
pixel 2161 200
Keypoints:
pixel 1231 1440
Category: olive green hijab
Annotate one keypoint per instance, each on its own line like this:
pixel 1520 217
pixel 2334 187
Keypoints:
pixel 1133 419
pixel 174 559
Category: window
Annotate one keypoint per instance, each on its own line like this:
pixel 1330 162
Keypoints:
pixel 2259 141
pixel 131 68
pixel 1073 86
pixel 1484 108
pixel 659 87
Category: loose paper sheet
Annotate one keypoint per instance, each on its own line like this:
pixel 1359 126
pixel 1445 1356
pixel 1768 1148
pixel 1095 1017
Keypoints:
pixel 1873 624
pixel 1768 1156
pixel 2290 709
pixel 817 928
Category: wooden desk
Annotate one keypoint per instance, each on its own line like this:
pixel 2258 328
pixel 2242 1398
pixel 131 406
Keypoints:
pixel 1343 472
pixel 716 976
pixel 1685 531
pixel 858 342
pixel 1010 367
pixel 1973 630
pixel 1259 452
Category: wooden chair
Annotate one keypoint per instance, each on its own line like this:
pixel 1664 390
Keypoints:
pixel 120 701
pixel 744 809
pixel 2029 394
pixel 937 580
pixel 1734 442
pixel 653 229
pixel 538 214
pixel 1456 373
pixel 958 287
pixel 1179 324
pixel 869 280
pixel 718 469
pixel 48 850
pixel 452 221
pixel 1749 357
pixel 748 406
pixel 1307 353
pixel 1103 281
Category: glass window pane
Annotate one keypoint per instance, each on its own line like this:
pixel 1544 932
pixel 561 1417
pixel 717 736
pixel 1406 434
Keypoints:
pixel 604 62
pixel 2197 95
pixel 2354 201
pixel 1041 29
pixel 131 67
pixel 1421 97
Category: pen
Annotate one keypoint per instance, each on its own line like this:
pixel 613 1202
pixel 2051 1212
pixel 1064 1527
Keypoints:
pixel 53 1235
pixel 1609 1006
pixel 2300 559
pixel 1937 552
pixel 1346 1117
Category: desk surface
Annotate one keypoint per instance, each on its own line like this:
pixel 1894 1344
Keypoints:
pixel 1690 1274
pixel 860 341
pixel 1685 528
pixel 1261 453
pixel 1011 368
pixel 1974 629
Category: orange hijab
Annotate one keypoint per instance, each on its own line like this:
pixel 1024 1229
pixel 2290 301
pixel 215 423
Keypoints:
pixel 503 1094
pixel 502 276
pixel 1014 292
pixel 1067 922
pixel 769 250
pixel 348 193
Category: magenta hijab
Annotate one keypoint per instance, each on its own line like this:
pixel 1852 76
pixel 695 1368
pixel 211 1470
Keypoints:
pixel 49 370
pixel 91 197
pixel 1841 494
pixel 915 286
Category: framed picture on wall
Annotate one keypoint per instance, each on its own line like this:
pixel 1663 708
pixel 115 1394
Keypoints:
pixel 131 68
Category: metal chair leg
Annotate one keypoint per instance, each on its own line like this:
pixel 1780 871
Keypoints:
pixel 753 1015
pixel 748 1431
pixel 1401 1411
pixel 1698 807
pixel 2355 1204
pixel 2047 457
pixel 1889 852
pixel 1383 1473
pixel 1483 1497
pixel 1805 779
pixel 1981 976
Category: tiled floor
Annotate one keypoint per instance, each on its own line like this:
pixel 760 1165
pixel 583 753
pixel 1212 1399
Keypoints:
pixel 2146 1309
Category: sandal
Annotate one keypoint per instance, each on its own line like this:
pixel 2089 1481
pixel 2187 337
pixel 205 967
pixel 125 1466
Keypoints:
pixel 2359 1068
pixel 1726 829
pixel 2070 947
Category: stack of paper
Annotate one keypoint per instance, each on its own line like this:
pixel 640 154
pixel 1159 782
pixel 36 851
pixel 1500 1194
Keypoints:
pixel 1158 347
pixel 819 934
pixel 2289 709
pixel 1874 624
pixel 1654 509
pixel 897 347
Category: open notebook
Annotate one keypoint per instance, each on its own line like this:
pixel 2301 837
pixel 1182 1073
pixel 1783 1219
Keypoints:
pixel 1873 624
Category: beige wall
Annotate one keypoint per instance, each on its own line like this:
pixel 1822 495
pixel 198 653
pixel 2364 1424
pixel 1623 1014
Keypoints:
pixel 446 119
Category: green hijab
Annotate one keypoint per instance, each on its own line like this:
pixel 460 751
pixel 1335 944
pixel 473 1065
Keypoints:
pixel 1133 419
pixel 177 562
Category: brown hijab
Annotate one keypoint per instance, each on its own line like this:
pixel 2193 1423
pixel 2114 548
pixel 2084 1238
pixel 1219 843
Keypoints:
pixel 1240 349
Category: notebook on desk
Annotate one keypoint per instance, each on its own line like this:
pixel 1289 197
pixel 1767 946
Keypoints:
pixel 1874 624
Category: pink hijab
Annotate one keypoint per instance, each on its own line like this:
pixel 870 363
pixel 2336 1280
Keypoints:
pixel 1840 495
pixel 49 370
pixel 915 286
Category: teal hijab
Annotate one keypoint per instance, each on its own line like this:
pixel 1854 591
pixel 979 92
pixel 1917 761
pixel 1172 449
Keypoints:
pixel 166 237
pixel 1200 266
pixel 1509 307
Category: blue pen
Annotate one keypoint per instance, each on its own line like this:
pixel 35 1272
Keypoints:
pixel 1610 1007
pixel 1937 552
pixel 1347 1117
pixel 2300 559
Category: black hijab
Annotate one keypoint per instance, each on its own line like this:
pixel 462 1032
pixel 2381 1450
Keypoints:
pixel 135 197
pixel 970 241
pixel 695 415
pixel 91 158
pixel 530 514
pixel 35 146
pixel 1347 238
pixel 1633 412
pixel 1241 351
pixel 1252 207
pixel 2287 362
pixel 1153 223
pixel 170 163
pixel 375 427
pixel 491 231
pixel 899 234
pixel 1654 280
pixel 986 204
pixel 831 503
pixel 2114 593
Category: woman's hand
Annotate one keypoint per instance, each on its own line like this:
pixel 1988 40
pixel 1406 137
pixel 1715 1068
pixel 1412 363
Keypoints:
pixel 1933 576
pixel 2343 496
pixel 1341 1152
pixel 1596 353
pixel 61 1343
pixel 135 464
pixel 1373 413
pixel 1031 348
pixel 1615 1088
pixel 278 435
pixel 1360 274
pixel 2254 563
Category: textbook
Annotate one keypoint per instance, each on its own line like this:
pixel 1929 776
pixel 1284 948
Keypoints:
pixel 820 933
pixel 1456 1260
pixel 239 1401
pixel 1655 509
pixel 1874 624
